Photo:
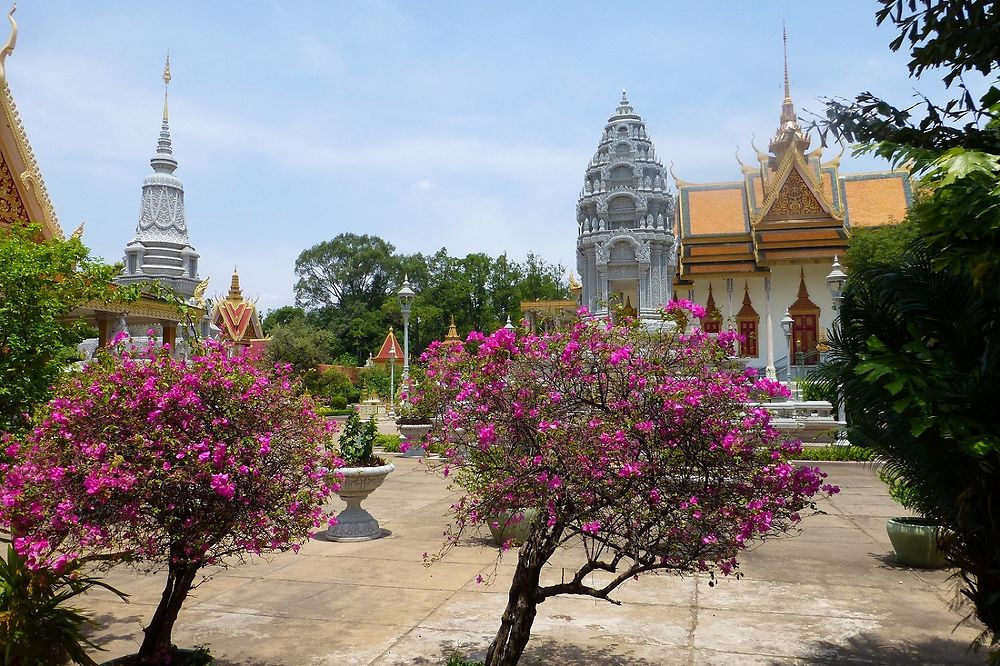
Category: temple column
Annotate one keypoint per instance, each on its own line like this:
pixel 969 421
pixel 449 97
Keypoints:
pixel 769 370
pixel 169 333
pixel 729 293
pixel 104 322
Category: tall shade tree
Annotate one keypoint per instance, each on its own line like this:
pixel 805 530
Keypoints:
pixel 349 269
pixel 170 464
pixel 641 447
pixel 41 282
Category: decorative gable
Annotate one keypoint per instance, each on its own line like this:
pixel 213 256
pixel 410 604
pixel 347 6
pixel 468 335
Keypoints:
pixel 794 199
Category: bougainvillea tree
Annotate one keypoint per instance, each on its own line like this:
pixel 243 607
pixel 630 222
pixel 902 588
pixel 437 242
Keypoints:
pixel 642 446
pixel 170 464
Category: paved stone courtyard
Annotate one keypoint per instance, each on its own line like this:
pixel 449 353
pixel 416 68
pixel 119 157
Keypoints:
pixel 830 594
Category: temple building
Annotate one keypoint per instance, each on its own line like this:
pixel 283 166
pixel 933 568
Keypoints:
pixel 24 199
pixel 625 248
pixel 764 244
pixel 238 320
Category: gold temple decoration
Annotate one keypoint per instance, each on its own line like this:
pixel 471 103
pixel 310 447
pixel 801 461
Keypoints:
pixel 11 42
pixel 166 84
pixel 795 198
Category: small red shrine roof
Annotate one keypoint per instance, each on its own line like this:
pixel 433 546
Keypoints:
pixel 390 343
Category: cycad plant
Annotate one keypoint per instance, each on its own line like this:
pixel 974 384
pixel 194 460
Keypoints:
pixel 38 627
pixel 917 354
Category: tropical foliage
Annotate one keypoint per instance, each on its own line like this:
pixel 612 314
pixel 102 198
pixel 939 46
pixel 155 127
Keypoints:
pixel 916 348
pixel 167 464
pixel 41 282
pixel 641 445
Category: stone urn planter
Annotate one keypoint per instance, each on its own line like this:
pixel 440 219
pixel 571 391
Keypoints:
pixel 413 433
pixel 354 523
pixel 915 541
pixel 506 526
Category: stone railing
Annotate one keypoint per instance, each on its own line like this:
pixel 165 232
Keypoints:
pixel 812 421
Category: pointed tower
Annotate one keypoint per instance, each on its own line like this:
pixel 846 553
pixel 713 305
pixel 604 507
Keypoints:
pixel 161 250
pixel 625 218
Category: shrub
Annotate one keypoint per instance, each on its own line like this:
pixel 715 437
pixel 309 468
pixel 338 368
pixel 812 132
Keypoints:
pixel 835 453
pixel 36 624
pixel 167 463
pixel 357 441
pixel 389 443
pixel 642 445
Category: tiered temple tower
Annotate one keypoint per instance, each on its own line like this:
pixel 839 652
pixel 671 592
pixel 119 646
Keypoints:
pixel 625 248
pixel 161 250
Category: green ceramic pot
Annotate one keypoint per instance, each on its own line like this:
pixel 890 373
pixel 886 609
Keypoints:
pixel 915 541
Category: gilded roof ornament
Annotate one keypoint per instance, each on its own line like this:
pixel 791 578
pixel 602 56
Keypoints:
pixel 166 84
pixel 11 42
pixel 677 181
pixel 77 233
pixel 199 293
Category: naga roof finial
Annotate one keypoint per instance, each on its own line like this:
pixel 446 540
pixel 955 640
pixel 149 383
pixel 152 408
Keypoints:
pixel 8 48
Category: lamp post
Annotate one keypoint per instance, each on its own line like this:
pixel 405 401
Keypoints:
pixel 786 327
pixel 392 381
pixel 835 282
pixel 405 296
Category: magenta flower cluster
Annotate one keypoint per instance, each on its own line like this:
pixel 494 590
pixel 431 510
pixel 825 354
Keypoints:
pixel 644 444
pixel 167 461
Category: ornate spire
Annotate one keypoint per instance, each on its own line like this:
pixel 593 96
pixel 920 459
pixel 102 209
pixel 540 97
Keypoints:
pixel 787 107
pixel 624 108
pixel 163 161
pixel 235 292
pixel 788 132
pixel 166 84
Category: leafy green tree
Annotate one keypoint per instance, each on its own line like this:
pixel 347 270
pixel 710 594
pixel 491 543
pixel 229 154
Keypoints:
pixel 282 316
pixel 542 280
pixel 349 269
pixel 301 345
pixel 871 246
pixel 916 344
pixel 41 282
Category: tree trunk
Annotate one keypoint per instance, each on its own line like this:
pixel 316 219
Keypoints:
pixel 522 604
pixel 157 642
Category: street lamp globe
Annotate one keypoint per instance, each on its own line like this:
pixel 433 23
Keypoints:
pixel 786 324
pixel 836 281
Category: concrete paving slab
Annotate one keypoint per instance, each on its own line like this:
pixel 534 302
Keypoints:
pixel 831 594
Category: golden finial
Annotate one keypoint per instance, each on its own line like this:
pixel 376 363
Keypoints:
pixel 234 286
pixel 166 83
pixel 9 46
pixel 574 284
pixel 78 233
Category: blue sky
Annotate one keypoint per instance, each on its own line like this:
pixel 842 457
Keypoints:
pixel 466 125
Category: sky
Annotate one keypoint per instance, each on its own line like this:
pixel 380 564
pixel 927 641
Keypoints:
pixel 465 125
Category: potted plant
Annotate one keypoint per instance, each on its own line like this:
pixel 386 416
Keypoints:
pixel 363 472
pixel 413 421
pixel 918 541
